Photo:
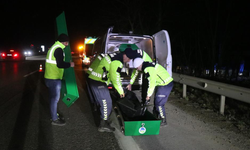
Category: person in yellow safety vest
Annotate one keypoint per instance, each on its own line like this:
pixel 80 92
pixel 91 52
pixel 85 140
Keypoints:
pixel 137 53
pixel 159 80
pixel 54 68
pixel 105 69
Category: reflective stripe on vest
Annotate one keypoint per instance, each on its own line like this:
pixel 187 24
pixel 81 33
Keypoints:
pixel 167 80
pixel 96 74
pixel 51 69
pixel 107 58
pixel 52 50
pixel 51 61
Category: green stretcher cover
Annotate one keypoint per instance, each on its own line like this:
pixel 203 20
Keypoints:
pixel 69 90
pixel 124 46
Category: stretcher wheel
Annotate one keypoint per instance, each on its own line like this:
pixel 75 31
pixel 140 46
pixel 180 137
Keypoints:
pixel 119 118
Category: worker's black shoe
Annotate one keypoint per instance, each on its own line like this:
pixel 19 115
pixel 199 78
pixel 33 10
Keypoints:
pixel 60 116
pixel 58 122
pixel 105 127
pixel 163 122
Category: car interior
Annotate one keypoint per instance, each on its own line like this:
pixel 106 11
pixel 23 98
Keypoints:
pixel 144 43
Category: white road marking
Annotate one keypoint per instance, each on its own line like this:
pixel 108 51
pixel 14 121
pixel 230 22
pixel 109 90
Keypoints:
pixel 125 142
pixel 30 74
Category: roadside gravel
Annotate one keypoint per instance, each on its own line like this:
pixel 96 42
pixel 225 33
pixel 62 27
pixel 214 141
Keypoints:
pixel 191 127
pixel 211 124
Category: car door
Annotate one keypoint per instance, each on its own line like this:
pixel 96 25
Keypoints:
pixel 107 39
pixel 163 50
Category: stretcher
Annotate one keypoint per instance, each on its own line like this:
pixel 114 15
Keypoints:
pixel 134 119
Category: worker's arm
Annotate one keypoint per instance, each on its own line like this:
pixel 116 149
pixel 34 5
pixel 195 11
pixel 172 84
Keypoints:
pixel 115 77
pixel 58 54
pixel 132 80
pixel 151 76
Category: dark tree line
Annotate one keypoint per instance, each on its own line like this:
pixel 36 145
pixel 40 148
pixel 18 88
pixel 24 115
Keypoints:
pixel 203 32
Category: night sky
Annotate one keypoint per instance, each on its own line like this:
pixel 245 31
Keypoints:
pixel 211 27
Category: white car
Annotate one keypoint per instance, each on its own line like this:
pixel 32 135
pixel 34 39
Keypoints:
pixel 28 53
pixel 157 46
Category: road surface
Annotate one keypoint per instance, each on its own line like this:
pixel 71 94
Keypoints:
pixel 25 119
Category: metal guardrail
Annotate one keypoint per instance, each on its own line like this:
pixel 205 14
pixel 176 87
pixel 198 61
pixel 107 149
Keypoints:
pixel 222 89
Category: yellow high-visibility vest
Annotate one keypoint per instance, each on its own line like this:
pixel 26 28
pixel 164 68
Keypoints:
pixel 51 69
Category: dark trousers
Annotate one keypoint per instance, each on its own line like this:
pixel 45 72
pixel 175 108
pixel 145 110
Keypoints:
pixel 161 96
pixel 144 88
pixel 54 95
pixel 99 93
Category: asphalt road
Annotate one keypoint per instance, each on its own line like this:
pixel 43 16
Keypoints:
pixel 25 119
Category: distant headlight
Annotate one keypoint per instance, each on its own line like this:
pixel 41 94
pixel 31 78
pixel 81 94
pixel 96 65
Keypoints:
pixel 27 53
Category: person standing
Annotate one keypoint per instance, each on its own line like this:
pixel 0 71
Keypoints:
pixel 54 68
pixel 160 81
pixel 104 69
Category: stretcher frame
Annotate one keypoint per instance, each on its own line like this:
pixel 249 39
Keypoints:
pixel 139 126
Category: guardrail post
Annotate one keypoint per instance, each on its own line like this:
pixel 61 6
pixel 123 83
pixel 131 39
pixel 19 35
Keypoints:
pixel 222 104
pixel 184 92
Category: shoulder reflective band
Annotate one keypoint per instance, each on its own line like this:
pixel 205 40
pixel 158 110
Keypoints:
pixel 96 74
pixel 52 50
pixel 90 69
pixel 99 57
pixel 103 55
pixel 50 55
pixel 108 59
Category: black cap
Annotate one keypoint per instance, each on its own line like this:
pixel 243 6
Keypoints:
pixel 130 53
pixel 63 38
